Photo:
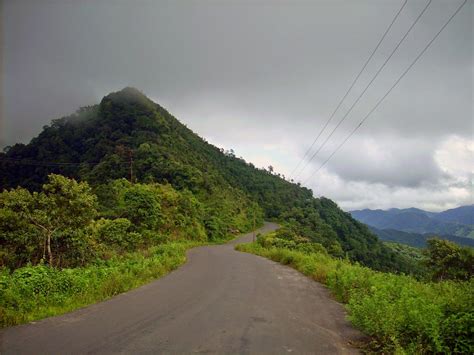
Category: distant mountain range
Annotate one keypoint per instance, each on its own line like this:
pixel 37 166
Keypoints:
pixel 463 215
pixel 413 226
pixel 416 239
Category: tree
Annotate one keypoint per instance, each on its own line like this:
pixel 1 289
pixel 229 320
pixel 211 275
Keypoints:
pixel 19 239
pixel 448 261
pixel 63 206
pixel 141 207
pixel 139 203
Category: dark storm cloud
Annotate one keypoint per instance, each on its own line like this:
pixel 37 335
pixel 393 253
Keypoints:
pixel 257 76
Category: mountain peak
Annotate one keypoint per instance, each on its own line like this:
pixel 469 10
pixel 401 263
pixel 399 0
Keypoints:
pixel 128 95
pixel 128 91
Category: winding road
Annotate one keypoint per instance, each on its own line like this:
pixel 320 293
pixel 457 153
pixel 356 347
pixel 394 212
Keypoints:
pixel 220 301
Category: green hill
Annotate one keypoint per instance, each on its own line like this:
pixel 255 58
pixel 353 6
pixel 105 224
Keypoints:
pixel 98 143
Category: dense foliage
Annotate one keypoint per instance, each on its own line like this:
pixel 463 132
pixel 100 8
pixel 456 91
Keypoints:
pixel 129 136
pixel 400 313
pixel 66 225
pixel 51 221
pixel 407 251
pixel 448 261
pixel 323 222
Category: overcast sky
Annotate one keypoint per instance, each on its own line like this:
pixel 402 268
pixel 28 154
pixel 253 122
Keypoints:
pixel 262 78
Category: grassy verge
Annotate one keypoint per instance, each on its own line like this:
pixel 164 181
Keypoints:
pixel 401 314
pixel 36 292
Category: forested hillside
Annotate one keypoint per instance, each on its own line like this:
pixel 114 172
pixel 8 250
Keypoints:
pixel 127 136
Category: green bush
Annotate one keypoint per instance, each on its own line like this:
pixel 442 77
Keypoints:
pixel 449 261
pixel 117 233
pixel 161 209
pixel 286 239
pixel 142 207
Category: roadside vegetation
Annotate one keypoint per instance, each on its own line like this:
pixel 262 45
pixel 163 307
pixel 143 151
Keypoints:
pixel 65 246
pixel 35 292
pixel 430 313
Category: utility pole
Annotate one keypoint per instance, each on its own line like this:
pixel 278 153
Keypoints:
pixel 130 155
pixel 253 226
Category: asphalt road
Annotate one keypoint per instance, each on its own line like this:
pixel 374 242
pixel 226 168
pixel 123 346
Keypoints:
pixel 220 301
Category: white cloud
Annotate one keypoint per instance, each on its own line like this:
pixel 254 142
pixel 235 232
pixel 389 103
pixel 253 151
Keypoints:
pixel 455 156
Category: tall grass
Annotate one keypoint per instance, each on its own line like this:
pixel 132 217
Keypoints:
pixel 35 292
pixel 401 314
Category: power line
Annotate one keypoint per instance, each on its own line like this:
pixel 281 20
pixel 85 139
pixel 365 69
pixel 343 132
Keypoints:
pixel 50 164
pixel 36 162
pixel 350 87
pixel 388 92
pixel 367 87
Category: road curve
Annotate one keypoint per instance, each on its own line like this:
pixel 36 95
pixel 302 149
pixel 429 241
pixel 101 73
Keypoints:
pixel 220 301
